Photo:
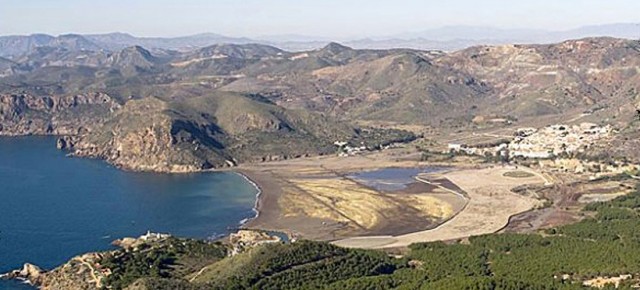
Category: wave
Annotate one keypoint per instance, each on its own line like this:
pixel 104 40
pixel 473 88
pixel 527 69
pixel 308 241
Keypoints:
pixel 256 204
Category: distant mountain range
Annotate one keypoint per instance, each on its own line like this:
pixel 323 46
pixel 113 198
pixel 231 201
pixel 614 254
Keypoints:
pixel 477 33
pixel 448 38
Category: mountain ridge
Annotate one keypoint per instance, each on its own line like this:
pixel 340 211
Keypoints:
pixel 448 38
pixel 334 85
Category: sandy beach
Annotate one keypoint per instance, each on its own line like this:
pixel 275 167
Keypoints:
pixel 266 202
pixel 315 198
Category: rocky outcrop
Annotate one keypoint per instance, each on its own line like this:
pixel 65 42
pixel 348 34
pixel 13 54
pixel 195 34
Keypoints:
pixel 75 274
pixel 29 272
pixel 66 143
pixel 81 272
pixel 244 240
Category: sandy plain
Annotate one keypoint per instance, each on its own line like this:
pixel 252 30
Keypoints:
pixel 317 198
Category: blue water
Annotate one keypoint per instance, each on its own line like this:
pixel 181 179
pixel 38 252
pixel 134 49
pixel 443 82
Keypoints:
pixel 391 179
pixel 53 207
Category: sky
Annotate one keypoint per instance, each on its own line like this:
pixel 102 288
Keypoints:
pixel 318 18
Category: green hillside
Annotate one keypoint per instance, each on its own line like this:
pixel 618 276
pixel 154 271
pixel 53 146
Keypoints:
pixel 605 244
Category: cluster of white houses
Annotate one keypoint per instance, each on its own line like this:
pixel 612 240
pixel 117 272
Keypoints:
pixel 542 143
pixel 344 149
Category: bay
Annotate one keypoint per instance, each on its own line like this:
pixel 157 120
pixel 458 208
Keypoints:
pixel 53 207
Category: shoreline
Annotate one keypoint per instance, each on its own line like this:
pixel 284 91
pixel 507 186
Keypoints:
pixel 261 195
pixel 267 218
pixel 20 280
pixel 256 204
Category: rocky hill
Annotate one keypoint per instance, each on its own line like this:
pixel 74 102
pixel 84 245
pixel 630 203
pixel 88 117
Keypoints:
pixel 417 87
pixel 206 132
pixel 20 44
pixel 546 79
pixel 150 134
pixel 405 86
pixel 594 79
pixel 230 101
pixel 11 46
pixel 447 38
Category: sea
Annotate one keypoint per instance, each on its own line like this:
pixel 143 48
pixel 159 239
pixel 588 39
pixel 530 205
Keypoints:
pixel 53 207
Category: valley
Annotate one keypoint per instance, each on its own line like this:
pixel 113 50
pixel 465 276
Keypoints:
pixel 400 149
pixel 282 117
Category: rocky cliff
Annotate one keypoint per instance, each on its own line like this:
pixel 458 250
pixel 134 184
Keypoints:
pixel 53 115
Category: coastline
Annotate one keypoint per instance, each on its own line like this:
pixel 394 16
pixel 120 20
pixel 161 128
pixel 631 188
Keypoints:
pixel 271 181
pixel 256 205
pixel 19 280
pixel 267 209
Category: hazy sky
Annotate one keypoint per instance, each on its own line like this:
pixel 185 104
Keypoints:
pixel 333 18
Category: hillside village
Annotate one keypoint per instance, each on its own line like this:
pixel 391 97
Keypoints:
pixel 559 147
pixel 556 140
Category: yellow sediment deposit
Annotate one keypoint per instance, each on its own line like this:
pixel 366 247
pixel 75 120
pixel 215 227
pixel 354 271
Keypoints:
pixel 296 202
pixel 343 200
pixel 428 204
